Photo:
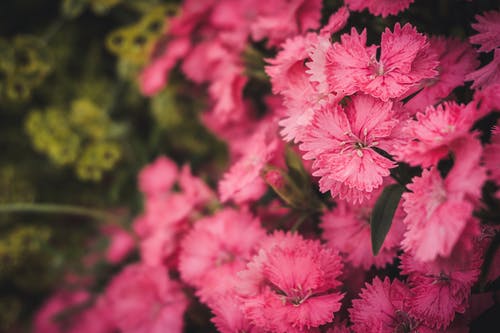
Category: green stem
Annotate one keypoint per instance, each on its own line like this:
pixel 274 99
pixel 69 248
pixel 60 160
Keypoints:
pixel 44 208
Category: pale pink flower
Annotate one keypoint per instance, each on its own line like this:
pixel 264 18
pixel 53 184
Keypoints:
pixel 379 7
pixel 438 209
pixel 492 156
pixel 438 295
pixel 347 229
pixel 143 299
pixel 291 285
pixel 341 140
pixel 405 60
pixel 382 308
pixel 280 19
pixel 226 239
pixel 486 75
pixel 433 132
pixel 158 177
pixel 488 26
pixel 456 59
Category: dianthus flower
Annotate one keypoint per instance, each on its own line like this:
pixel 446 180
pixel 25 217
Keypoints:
pixel 456 59
pixel 142 298
pixel 433 132
pixel 280 19
pixel 229 316
pixel 406 59
pixel 438 295
pixel 487 75
pixel 347 229
pixel 382 309
pixel 45 319
pixel 379 7
pixel 488 26
pixel 291 285
pixel 438 209
pixel 341 140
pixel 242 182
pixel 218 244
pixel 158 177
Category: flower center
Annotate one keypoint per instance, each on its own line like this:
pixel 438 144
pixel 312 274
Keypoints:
pixel 356 143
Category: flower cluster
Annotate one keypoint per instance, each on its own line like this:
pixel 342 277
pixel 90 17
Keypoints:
pixel 260 244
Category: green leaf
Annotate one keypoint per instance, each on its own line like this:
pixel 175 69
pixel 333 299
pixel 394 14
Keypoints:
pixel 382 214
pixel 296 169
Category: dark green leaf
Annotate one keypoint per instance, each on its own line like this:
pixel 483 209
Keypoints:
pixel 382 214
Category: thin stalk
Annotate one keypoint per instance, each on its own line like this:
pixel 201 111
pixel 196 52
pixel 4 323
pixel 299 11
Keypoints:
pixel 45 208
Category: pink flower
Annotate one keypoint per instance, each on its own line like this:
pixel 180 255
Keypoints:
pixel 438 295
pixel 486 75
pixel 439 209
pixel 95 319
pixel 304 90
pixel 121 243
pixel 277 20
pixel 488 26
pixel 229 317
pixel 143 299
pixel 290 286
pixel 45 320
pixel 158 177
pixel 341 140
pixel 492 156
pixel 382 309
pixel 379 7
pixel 347 229
pixel 155 76
pixel 433 132
pixel 196 191
pixel 405 60
pixel 337 21
pixel 456 59
pixel 243 181
pixel 225 240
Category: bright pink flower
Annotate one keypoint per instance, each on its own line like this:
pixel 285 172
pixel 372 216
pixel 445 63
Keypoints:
pixel 143 299
pixel 438 295
pixel 439 209
pixel 225 239
pixel 337 21
pixel 304 90
pixel 379 7
pixel 456 59
pixel 155 76
pixel 488 26
pixel 492 156
pixel 243 181
pixel 196 191
pixel 382 309
pixel 341 141
pixel 347 229
pixel 121 243
pixel 486 75
pixel 405 60
pixel 229 317
pixel 158 177
pixel 291 285
pixel 280 19
pixel 486 99
pixel 433 132
pixel 45 320
pixel 95 319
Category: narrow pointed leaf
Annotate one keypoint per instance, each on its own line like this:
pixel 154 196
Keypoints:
pixel 382 214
